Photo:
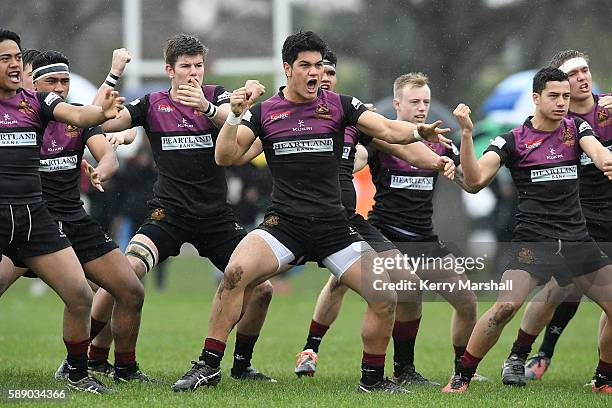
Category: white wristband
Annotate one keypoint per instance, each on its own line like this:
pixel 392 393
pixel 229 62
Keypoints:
pixel 417 135
pixel 233 119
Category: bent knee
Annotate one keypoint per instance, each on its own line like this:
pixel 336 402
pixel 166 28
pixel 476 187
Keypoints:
pixel 233 277
pixel 505 311
pixel 263 293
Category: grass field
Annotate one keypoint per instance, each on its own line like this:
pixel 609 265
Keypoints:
pixel 174 325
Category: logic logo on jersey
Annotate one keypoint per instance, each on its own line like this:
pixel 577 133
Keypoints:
pixel 534 144
pixel 165 108
pixel 279 115
pixel 322 111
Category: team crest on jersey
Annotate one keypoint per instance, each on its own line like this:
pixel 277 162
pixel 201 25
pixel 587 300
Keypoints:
pixel 322 111
pixel 158 214
pixel 271 221
pixel 71 131
pixel 603 117
pixel 25 107
pixel 525 256
pixel 165 108
pixel 568 137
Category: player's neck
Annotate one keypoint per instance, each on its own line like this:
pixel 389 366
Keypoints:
pixel 583 106
pixel 174 92
pixel 7 93
pixel 293 96
pixel 540 122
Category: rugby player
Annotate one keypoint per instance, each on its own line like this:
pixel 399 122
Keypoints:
pixel 412 97
pixel 551 237
pixel 190 195
pixel 302 132
pixel 27 229
pixel 596 204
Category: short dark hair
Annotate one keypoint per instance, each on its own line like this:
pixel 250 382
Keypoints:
pixel 545 75
pixel 565 55
pixel 302 41
pixel 10 35
pixel 28 56
pixel 331 57
pixel 183 44
pixel 48 58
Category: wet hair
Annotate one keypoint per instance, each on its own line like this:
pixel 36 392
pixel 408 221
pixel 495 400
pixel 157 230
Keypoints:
pixel 48 58
pixel 545 75
pixel 565 55
pixel 10 35
pixel 300 42
pixel 28 56
pixel 414 79
pixel 183 44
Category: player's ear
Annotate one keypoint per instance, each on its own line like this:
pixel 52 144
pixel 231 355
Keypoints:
pixel 169 71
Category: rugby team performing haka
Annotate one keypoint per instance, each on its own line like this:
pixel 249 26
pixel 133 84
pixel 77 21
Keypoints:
pixel 313 140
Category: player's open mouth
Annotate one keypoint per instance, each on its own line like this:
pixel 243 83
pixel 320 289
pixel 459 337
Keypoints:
pixel 584 87
pixel 419 117
pixel 311 85
pixel 560 112
pixel 325 86
pixel 14 77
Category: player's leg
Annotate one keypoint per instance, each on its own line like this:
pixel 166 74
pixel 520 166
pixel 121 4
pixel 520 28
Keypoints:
pixel 9 273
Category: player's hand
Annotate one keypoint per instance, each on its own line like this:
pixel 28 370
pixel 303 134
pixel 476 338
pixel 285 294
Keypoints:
pixel 370 107
pixel 193 95
pixel 112 104
pixel 115 139
pixel 94 176
pixel 254 89
pixel 432 133
pixel 446 166
pixel 239 101
pixel 121 57
pixel 607 169
pixel 605 102
pixel 462 114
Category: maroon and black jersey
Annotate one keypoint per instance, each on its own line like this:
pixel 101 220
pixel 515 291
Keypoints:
pixel 60 168
pixel 303 144
pixel 352 136
pixel 595 188
pixel 189 182
pixel 404 193
pixel 544 167
pixel 22 124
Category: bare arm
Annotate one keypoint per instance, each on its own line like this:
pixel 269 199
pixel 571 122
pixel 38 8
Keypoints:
pixel 361 158
pixel 124 137
pixel 459 180
pixel 106 157
pixel 602 157
pixel 90 115
pixel 255 150
pixel 234 140
pixel 397 131
pixel 477 173
pixel 121 57
pixel 417 154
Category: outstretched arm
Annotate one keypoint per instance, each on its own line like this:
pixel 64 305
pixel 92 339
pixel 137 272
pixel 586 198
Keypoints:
pixel 106 157
pixel 90 115
pixel 477 173
pixel 602 157
pixel 401 132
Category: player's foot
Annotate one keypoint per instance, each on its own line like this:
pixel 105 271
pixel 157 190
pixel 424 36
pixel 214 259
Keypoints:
pixel 61 374
pixel 89 384
pixel 536 366
pixel 132 374
pixel 200 374
pixel 479 378
pixel 513 371
pixel 251 373
pixel 601 384
pixel 385 385
pixel 457 384
pixel 100 367
pixel 409 376
pixel 306 363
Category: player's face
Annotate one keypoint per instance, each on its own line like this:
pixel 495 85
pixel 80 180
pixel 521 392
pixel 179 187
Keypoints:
pixel 304 75
pixel 328 81
pixel 581 83
pixel 553 103
pixel 56 83
pixel 11 67
pixel 186 69
pixel 26 77
pixel 413 106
